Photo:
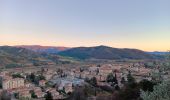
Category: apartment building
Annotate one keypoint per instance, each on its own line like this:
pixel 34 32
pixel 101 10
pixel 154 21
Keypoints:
pixel 10 83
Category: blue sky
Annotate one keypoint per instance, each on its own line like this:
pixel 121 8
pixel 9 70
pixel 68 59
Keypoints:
pixel 142 24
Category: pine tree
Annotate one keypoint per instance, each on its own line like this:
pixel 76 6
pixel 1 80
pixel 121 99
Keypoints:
pixel 130 78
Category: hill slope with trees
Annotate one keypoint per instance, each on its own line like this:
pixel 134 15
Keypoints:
pixel 104 52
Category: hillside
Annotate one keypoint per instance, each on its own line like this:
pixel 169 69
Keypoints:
pixel 43 49
pixel 104 52
pixel 158 53
pixel 18 57
pixel 21 57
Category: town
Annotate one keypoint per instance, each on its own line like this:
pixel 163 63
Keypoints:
pixel 59 83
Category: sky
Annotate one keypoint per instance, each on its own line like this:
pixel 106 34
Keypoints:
pixel 140 24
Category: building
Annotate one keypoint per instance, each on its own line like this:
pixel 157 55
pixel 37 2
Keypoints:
pixel 40 94
pixel 29 85
pixel 25 94
pixel 48 76
pixel 10 83
pixel 62 81
pixel 42 82
pixel 55 94
pixel 105 70
pixel 68 88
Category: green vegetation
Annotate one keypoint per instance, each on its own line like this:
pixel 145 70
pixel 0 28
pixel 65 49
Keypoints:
pixel 34 79
pixel 112 78
pixel 48 96
pixel 130 78
pixel 146 85
pixel 11 57
pixel 15 57
pixel 131 89
pixel 149 65
pixel 104 52
pixel 33 94
pixel 16 95
pixel 17 75
pixel 14 65
pixel 93 81
pixel 160 92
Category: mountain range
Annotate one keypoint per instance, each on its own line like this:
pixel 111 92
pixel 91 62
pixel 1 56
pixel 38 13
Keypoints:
pixel 97 52
pixel 44 49
pixel 105 52
pixel 158 53
pixel 18 57
pixel 15 56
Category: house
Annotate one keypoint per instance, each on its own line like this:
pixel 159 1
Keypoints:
pixel 24 94
pixel 29 85
pixel 37 89
pixel 93 69
pixel 101 78
pixel 42 82
pixel 55 94
pixel 68 88
pixel 105 70
pixel 40 94
pixel 48 76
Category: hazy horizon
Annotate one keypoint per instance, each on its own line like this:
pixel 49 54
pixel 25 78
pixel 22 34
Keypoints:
pixel 83 46
pixel 143 25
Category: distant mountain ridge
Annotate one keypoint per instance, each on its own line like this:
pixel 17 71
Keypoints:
pixel 15 56
pixel 45 49
pixel 105 52
pixel 18 57
pixel 158 53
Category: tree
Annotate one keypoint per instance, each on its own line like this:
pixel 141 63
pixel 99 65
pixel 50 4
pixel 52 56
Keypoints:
pixel 160 92
pixel 41 77
pixel 127 92
pixel 117 87
pixel 16 95
pixel 156 76
pixel 17 75
pixel 149 64
pixel 111 78
pixel 98 65
pixel 32 77
pixel 33 94
pixel 115 79
pixel 167 56
pixel 93 81
pixel 35 79
pixel 146 85
pixel 48 96
pixel 123 81
pixel 38 78
pixel 130 78
pixel 81 69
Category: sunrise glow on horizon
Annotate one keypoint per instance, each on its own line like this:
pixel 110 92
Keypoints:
pixel 141 24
